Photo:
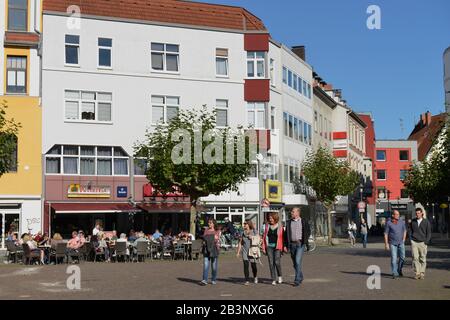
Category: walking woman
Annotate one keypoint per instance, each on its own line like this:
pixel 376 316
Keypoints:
pixel 249 245
pixel 273 245
pixel 211 250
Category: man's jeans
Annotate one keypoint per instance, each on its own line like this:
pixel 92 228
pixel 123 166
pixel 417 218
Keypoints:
pixel 364 239
pixel 397 258
pixel 297 255
pixel 206 263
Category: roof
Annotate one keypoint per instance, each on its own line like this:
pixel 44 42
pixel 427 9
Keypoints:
pixel 164 11
pixel 426 135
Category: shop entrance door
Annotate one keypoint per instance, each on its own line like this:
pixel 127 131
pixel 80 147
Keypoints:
pixel 9 222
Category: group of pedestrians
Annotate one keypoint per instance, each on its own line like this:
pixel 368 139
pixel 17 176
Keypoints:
pixel 395 236
pixel 275 240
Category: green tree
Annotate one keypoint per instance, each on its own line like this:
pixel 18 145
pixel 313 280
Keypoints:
pixel 9 130
pixel 429 181
pixel 187 154
pixel 329 177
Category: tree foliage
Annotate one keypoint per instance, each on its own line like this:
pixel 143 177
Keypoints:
pixel 330 178
pixel 429 181
pixel 9 130
pixel 194 176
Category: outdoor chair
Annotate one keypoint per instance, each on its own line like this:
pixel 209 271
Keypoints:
pixel 99 252
pixel 71 254
pixel 86 251
pixel 167 252
pixel 28 255
pixel 13 251
pixel 59 252
pixel 178 251
pixel 121 250
pixel 141 250
pixel 196 248
pixel 155 249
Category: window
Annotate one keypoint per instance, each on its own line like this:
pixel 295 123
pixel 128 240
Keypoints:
pixel 105 52
pixel 285 75
pixel 291 126
pixel 404 194
pixel 86 161
pixel 299 89
pixel 16 74
pixel 285 123
pixel 164 108
pixel 72 49
pixel 291 174
pixel 272 117
pixel 403 174
pixel 222 113
pixel 315 122
pixel 253 171
pixel 88 106
pixel 381 155
pixel 305 132
pixel 17 15
pixel 295 128
pixel 286 173
pixel 381 174
pixel 304 88
pixel 256 115
pixel 222 62
pixel 300 130
pixel 256 64
pixel 309 91
pixel 404 155
pixel 295 82
pixel 309 135
pixel 272 72
pixel 290 78
pixel 165 57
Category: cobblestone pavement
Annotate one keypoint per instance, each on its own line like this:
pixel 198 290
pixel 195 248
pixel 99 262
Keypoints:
pixel 330 273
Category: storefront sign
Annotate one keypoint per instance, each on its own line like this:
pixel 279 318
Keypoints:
pixel 122 192
pixel 88 191
pixel 399 206
pixel 150 191
pixel 273 191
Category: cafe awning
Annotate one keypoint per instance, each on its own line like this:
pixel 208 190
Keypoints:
pixel 166 207
pixel 93 208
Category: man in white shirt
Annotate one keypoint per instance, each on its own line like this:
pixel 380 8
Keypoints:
pixel 96 230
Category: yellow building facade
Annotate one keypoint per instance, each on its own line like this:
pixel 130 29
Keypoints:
pixel 20 63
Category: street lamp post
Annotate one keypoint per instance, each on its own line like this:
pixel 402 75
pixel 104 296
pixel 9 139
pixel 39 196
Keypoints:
pixel 389 203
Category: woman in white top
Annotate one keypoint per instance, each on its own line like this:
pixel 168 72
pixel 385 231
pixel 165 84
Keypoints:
pixel 352 232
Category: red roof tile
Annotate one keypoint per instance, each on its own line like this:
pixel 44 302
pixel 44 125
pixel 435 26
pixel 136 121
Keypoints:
pixel 166 11
pixel 426 135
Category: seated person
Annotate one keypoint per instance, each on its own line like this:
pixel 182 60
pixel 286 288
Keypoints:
pixel 114 235
pixel 123 238
pixel 45 240
pixel 33 247
pixel 132 236
pixel 141 238
pixel 55 240
pixel 81 237
pixel 73 245
pixel 101 245
pixel 157 235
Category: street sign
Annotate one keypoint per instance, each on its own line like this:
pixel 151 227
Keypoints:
pixel 362 210
pixel 361 205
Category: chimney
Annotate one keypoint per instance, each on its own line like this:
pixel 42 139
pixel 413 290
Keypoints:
pixel 300 52
pixel 428 117
pixel 425 118
pixel 328 87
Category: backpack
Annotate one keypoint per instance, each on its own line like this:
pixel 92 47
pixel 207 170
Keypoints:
pixel 255 242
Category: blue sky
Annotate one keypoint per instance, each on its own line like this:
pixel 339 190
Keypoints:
pixel 395 73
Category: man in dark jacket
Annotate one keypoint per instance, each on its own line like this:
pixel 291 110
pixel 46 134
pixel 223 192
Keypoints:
pixel 420 234
pixel 296 239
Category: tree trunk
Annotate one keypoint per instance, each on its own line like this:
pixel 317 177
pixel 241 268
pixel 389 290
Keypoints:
pixel 330 230
pixel 193 215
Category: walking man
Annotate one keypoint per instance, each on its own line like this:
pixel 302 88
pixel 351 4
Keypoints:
pixel 420 233
pixel 364 231
pixel 297 235
pixel 394 241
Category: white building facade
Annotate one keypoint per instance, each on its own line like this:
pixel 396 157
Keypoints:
pixel 108 77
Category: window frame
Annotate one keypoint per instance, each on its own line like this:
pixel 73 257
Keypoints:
pixel 400 155
pixel 226 109
pixel 164 60
pixel 16 71
pixel 254 60
pixel 164 105
pixel 102 47
pixel 227 64
pixel 257 111
pixel 70 44
pixel 17 8
pixel 272 73
pixel 96 102
pixel 385 175
pixel 385 155
pixel 61 156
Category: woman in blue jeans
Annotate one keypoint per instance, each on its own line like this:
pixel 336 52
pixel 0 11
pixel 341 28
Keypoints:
pixel 211 250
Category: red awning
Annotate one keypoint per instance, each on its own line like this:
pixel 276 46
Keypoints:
pixel 93 207
pixel 166 207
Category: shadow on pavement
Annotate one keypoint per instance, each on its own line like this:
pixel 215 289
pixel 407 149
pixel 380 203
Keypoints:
pixel 446 287
pixel 385 275
pixel 197 282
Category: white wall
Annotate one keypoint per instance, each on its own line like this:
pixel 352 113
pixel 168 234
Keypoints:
pixel 31 216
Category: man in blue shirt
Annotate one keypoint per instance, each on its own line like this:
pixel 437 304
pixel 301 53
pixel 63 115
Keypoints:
pixel 394 240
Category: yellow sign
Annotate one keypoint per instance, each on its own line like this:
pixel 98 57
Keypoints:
pixel 79 191
pixel 273 191
pixel 444 206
